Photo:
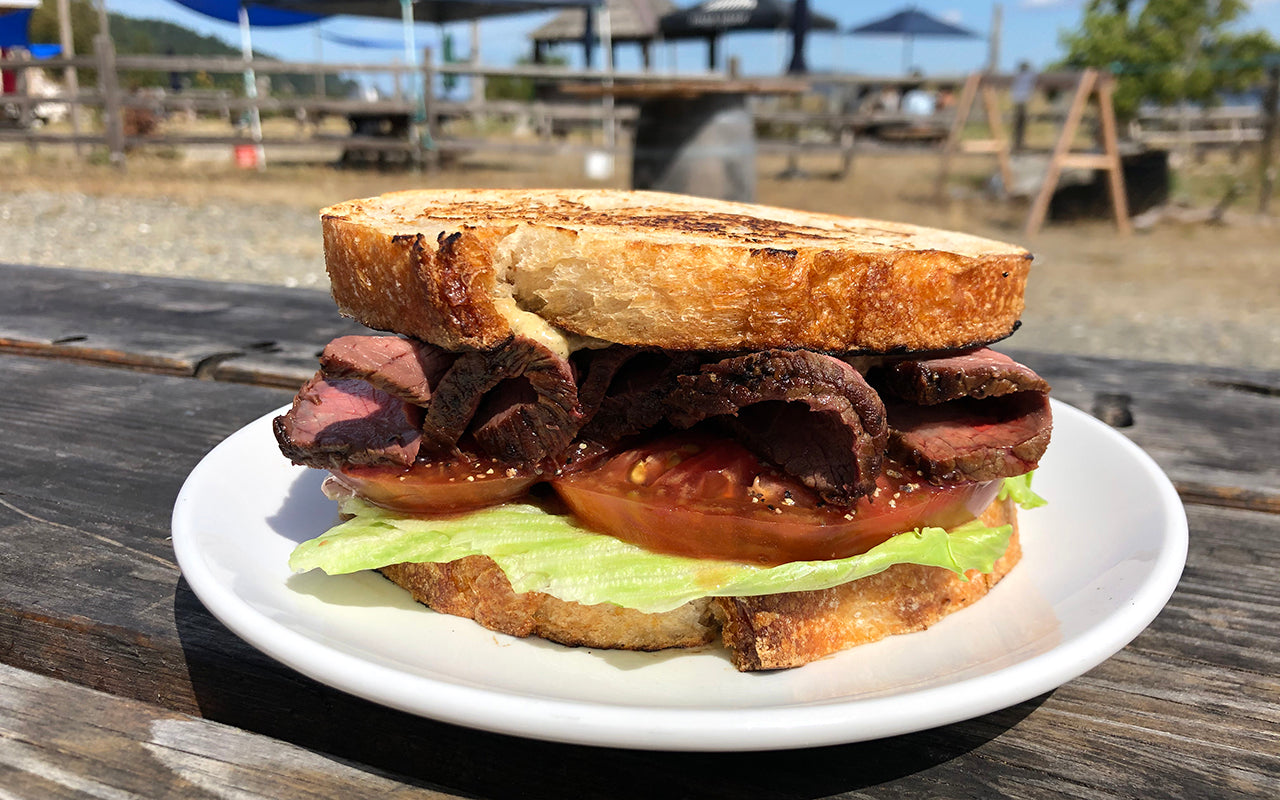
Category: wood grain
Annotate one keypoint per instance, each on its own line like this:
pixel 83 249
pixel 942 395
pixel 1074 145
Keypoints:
pixel 89 595
pixel 268 335
pixel 60 740
pixel 99 441
pixel 1214 431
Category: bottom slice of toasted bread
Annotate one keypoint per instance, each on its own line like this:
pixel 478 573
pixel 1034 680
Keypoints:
pixel 766 632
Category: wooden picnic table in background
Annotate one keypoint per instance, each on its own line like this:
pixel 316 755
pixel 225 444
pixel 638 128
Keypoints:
pixel 116 682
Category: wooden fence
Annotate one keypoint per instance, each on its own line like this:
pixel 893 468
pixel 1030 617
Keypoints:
pixel 109 114
pixel 420 131
pixel 1183 128
pixel 416 125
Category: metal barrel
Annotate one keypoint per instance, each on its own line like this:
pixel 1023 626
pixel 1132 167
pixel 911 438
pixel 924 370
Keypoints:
pixel 703 145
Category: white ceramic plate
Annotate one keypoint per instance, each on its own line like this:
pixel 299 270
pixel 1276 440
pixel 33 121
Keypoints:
pixel 1099 563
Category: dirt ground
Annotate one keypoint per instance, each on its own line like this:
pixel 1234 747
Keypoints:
pixel 1182 291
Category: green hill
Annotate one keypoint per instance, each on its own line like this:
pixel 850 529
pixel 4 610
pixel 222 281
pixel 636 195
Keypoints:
pixel 156 37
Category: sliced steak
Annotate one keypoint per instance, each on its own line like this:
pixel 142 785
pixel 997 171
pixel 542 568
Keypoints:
pixel 625 390
pixel 812 415
pixel 403 367
pixel 971 440
pixel 336 421
pixel 978 373
pixel 519 402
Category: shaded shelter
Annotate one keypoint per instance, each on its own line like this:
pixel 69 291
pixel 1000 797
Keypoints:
pixel 910 23
pixel 408 11
pixel 257 14
pixel 246 15
pixel 630 22
pixel 15 19
pixel 713 19
pixel 436 11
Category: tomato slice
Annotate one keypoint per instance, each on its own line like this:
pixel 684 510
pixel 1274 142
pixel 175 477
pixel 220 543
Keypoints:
pixel 707 497
pixel 436 487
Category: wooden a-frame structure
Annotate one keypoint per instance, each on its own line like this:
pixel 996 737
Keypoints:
pixel 1092 85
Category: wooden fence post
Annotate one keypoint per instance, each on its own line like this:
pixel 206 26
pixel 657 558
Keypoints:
pixel 1270 138
pixel 26 112
pixel 426 140
pixel 112 102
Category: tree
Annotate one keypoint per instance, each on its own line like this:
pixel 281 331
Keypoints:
pixel 1168 51
pixel 514 87
pixel 84 24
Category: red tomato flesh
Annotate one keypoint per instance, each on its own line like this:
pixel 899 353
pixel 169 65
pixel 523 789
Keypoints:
pixel 712 498
pixel 442 487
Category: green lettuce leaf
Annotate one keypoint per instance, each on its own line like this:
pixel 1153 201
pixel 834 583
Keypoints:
pixel 1019 489
pixel 547 552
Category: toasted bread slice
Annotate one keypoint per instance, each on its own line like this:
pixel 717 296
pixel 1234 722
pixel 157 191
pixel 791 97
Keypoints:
pixel 463 268
pixel 761 633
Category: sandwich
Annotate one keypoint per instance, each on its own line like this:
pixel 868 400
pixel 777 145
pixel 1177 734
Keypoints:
pixel 644 421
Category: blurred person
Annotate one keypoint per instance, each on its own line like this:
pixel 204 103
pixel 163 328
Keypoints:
pixel 919 101
pixel 887 99
pixel 916 99
pixel 1024 85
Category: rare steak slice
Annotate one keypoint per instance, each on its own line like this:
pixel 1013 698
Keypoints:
pixel 977 373
pixel 336 422
pixel 971 439
pixel 812 415
pixel 624 390
pixel 403 367
pixel 519 402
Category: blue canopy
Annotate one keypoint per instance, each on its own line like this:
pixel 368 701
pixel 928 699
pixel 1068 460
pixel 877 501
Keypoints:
pixel 259 16
pixel 13 28
pixel 360 41
pixel 436 11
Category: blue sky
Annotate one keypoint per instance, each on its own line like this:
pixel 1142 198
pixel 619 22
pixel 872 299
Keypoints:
pixel 1030 31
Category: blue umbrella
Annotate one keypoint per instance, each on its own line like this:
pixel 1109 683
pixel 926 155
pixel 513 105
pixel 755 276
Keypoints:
pixel 910 23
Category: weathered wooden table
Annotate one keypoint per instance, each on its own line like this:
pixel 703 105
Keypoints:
pixel 115 682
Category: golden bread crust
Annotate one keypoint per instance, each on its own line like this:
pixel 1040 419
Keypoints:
pixel 761 633
pixel 654 269
pixel 788 630
pixel 474 587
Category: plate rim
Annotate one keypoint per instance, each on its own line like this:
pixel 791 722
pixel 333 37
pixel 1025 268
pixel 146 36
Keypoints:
pixel 685 728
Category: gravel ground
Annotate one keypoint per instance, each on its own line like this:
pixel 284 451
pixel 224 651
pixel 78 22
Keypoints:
pixel 218 240
pixel 1153 300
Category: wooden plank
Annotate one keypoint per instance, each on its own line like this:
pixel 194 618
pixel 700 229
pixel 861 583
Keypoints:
pixel 982 146
pixel 995 122
pixel 89 594
pixel 1270 137
pixel 1086 161
pixel 261 334
pixel 271 335
pixel 1111 148
pixel 1040 206
pixel 60 740
pixel 1214 431
pixel 998 143
pixel 953 143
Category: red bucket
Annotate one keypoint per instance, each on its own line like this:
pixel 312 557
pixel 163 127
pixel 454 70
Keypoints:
pixel 247 156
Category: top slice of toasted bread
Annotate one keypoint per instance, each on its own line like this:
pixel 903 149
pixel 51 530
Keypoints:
pixel 464 268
